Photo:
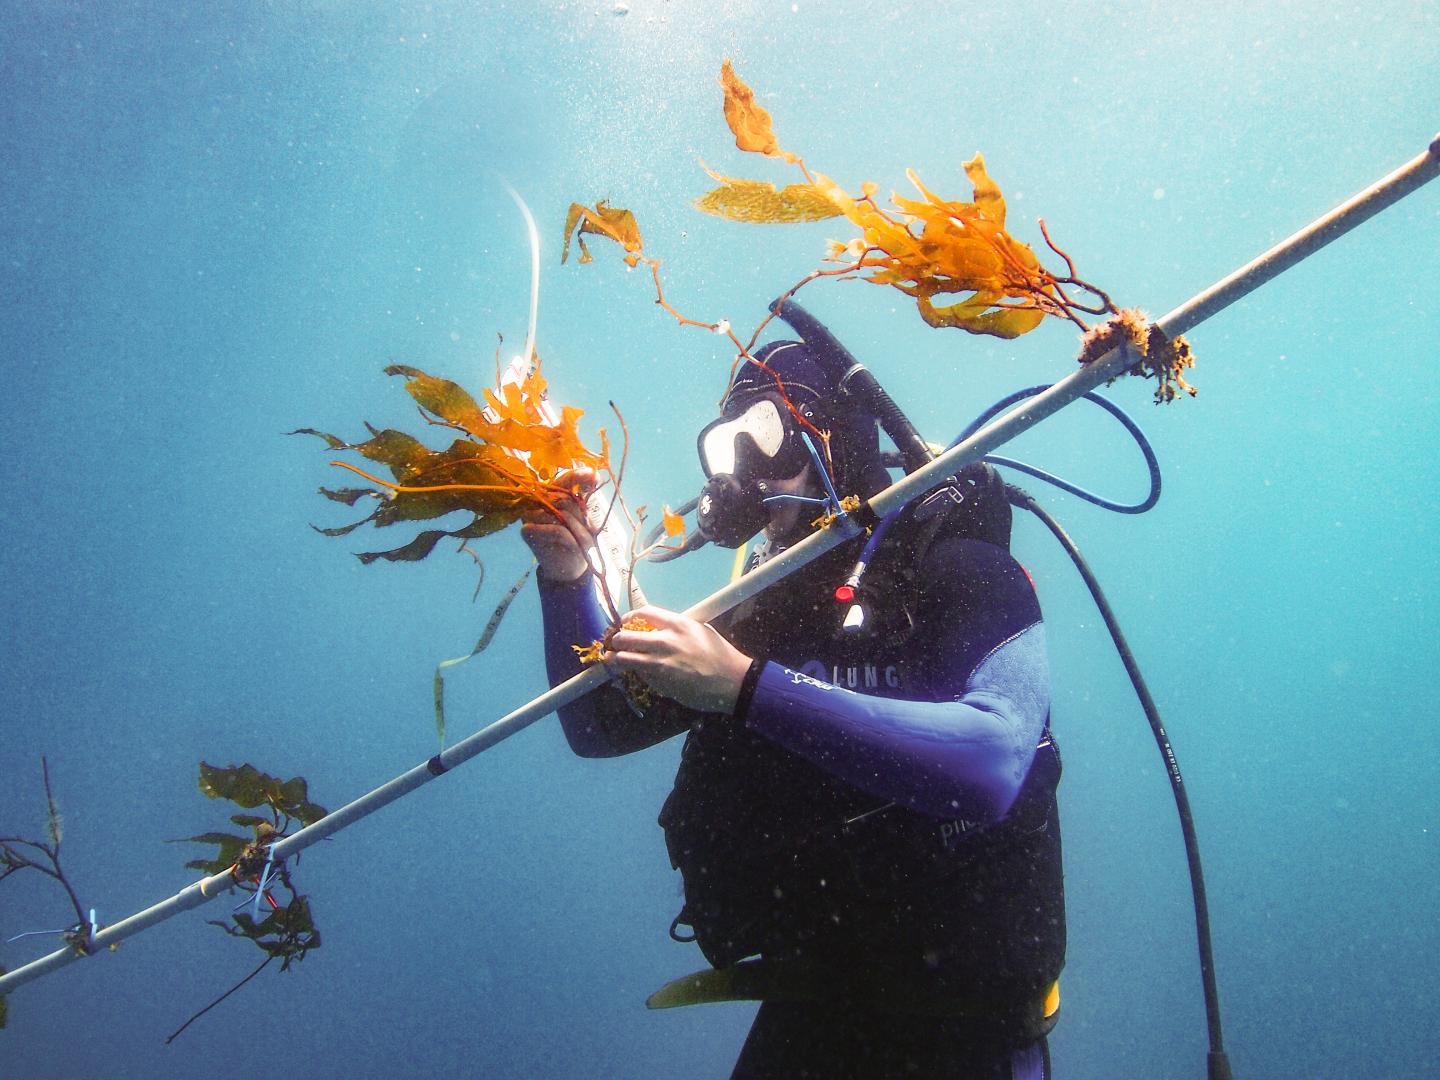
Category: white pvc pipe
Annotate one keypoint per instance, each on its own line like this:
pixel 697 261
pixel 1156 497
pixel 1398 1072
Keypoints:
pixel 1284 255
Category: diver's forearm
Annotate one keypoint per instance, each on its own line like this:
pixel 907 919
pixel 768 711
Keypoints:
pixel 964 758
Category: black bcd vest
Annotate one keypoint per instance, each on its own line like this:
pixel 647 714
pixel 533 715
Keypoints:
pixel 784 860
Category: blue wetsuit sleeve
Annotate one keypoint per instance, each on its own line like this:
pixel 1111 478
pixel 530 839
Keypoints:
pixel 572 616
pixel 602 723
pixel 966 751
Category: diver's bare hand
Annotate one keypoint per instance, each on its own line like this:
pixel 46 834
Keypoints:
pixel 557 545
pixel 682 659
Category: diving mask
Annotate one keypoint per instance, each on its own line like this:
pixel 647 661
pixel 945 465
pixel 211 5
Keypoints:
pixel 758 442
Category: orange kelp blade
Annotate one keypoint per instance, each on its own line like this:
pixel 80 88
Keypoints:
pixel 749 121
pixel 605 220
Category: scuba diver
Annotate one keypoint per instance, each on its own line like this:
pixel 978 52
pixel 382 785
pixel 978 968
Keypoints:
pixel 864 816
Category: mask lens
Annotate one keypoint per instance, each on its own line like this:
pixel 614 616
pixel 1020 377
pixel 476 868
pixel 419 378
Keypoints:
pixel 760 425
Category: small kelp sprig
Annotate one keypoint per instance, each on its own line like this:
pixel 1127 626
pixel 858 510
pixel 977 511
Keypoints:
pixel 284 929
pixel 631 684
pixel 1161 358
pixel 954 258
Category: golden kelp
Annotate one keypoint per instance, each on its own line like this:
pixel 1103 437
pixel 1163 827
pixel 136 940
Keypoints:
pixel 516 455
pixel 931 249
pixel 961 247
pixel 509 460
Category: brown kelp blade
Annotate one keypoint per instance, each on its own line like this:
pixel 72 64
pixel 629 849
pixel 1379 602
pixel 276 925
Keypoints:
pixel 247 786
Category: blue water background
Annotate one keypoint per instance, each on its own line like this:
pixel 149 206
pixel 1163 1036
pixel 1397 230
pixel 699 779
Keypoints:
pixel 220 226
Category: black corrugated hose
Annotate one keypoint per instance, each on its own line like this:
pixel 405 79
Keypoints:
pixel 1218 1063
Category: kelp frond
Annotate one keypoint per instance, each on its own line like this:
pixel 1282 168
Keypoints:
pixel 955 258
pixel 513 455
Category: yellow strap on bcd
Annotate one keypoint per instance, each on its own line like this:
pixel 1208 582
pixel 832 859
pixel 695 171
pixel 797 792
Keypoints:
pixel 759 980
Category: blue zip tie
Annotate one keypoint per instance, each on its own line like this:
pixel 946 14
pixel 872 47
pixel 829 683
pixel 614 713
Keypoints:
pixel 260 888
pixel 264 881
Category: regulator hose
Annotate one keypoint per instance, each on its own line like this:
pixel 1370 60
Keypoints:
pixel 1146 450
pixel 855 381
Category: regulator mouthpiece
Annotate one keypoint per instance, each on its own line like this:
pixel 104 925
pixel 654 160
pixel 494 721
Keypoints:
pixel 730 512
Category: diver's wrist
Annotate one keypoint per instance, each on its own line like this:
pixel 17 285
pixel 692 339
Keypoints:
pixel 746 692
pixel 552 579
